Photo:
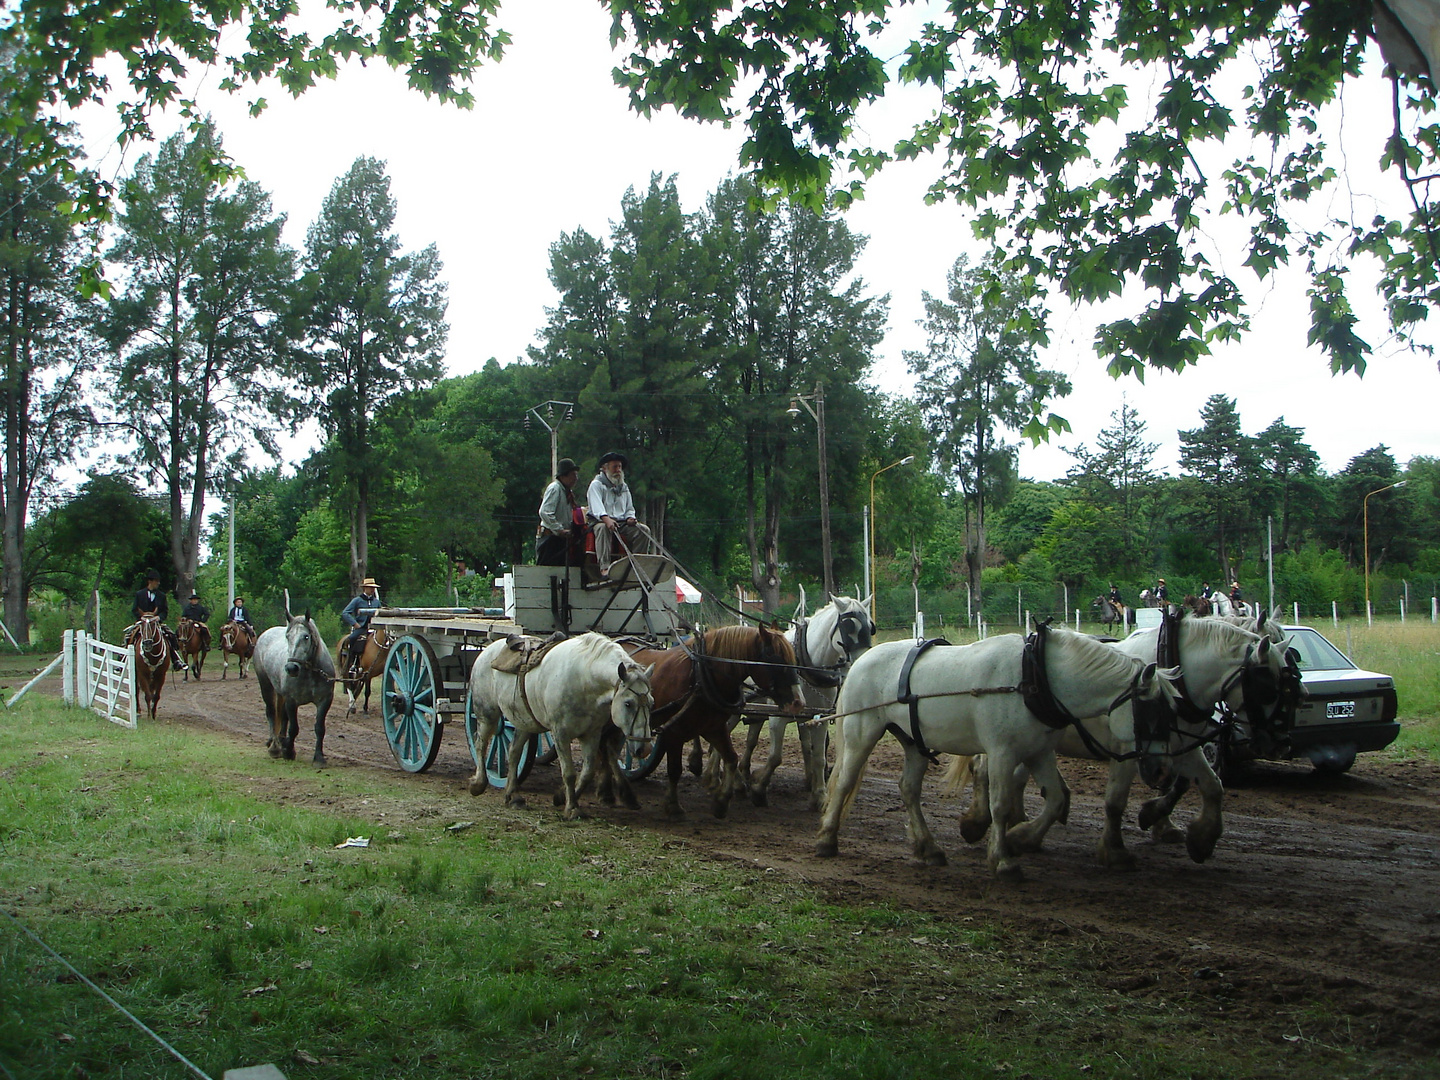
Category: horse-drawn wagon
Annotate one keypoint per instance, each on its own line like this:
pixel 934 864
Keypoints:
pixel 426 675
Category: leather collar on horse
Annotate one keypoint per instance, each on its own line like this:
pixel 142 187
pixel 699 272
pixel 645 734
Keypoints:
pixel 825 678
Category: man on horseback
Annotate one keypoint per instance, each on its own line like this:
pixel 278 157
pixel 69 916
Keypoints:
pixel 555 537
pixel 1114 597
pixel 612 510
pixel 151 601
pixel 198 614
pixel 357 615
pixel 1205 590
pixel 240 617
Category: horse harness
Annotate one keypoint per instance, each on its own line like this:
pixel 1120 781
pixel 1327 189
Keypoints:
pixel 1034 689
pixel 824 678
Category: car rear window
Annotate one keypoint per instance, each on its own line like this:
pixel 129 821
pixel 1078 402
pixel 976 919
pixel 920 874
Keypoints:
pixel 1317 654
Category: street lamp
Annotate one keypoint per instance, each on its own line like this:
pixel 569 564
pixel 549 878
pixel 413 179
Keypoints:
pixel 818 414
pixel 553 429
pixel 906 460
pixel 1365 504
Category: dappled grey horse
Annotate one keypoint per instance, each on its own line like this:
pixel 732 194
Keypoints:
pixel 294 668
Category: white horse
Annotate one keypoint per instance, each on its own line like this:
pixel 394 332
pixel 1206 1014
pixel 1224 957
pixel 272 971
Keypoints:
pixel 293 667
pixel 824 647
pixel 1226 609
pixel 1215 658
pixel 578 687
pixel 967 700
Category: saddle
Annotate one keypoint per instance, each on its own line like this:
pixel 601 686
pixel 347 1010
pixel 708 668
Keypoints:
pixel 522 654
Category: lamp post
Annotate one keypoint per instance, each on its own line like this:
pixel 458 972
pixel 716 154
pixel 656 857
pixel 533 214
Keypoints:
pixel 553 429
pixel 1365 505
pixel 818 414
pixel 906 460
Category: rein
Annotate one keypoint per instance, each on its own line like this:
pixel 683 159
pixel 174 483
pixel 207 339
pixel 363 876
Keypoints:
pixel 812 673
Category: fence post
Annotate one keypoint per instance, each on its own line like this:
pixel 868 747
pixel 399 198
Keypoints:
pixel 1402 609
pixel 82 669
pixel 67 669
pixel 1434 608
pixel 1297 611
pixel 1334 615
pixel 130 681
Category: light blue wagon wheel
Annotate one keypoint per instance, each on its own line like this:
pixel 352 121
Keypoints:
pixel 497 758
pixel 635 766
pixel 546 753
pixel 409 703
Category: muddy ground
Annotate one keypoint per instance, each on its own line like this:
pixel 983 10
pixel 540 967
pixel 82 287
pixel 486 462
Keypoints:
pixel 1324 892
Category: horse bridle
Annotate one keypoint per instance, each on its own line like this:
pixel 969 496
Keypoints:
pixel 151 633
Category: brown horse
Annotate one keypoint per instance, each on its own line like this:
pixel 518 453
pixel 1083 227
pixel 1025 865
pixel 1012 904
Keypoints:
pixel 152 659
pixel 237 641
pixel 194 641
pixel 699 690
pixel 358 672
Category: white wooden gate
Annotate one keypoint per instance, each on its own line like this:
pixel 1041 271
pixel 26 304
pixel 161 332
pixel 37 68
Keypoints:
pixel 104 679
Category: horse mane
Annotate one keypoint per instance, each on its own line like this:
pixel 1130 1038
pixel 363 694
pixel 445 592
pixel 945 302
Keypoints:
pixel 1214 631
pixel 1096 657
pixel 743 643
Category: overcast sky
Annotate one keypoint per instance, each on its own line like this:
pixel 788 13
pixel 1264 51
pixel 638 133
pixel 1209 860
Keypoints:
pixel 551 147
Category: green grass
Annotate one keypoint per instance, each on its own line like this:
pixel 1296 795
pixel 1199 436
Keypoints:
pixel 1409 651
pixel 199 884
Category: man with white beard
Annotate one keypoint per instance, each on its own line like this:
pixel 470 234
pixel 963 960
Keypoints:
pixel 612 509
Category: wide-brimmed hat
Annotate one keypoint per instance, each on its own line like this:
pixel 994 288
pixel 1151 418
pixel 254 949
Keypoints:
pixel 151 575
pixel 237 599
pixel 615 455
pixel 194 596
pixel 565 467
pixel 370 583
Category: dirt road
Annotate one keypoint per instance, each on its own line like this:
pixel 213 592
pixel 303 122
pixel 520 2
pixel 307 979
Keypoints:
pixel 1324 892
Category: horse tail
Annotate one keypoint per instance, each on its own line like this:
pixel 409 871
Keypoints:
pixel 959 772
pixel 833 784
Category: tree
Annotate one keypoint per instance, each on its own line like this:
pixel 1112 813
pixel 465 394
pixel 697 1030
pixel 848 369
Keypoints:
pixel 1390 525
pixel 1032 95
pixel 60 49
pixel 1292 471
pixel 978 377
pixel 106 528
pixel 196 327
pixel 45 349
pixel 374 324
pixel 1221 461
pixel 1115 475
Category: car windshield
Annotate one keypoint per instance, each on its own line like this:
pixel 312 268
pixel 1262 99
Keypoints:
pixel 1317 654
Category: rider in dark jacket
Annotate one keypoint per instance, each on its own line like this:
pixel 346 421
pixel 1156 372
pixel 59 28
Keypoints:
pixel 198 614
pixel 357 615
pixel 151 601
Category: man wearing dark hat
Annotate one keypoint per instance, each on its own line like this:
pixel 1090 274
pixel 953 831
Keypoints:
pixel 612 509
pixel 151 601
pixel 556 534
pixel 1161 593
pixel 198 614
pixel 356 616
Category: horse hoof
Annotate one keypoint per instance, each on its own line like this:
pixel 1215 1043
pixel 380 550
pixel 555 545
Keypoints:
pixel 320 759
pixel 827 849
pixel 972 832
pixel 1199 849
pixel 1167 834
pixel 1116 859
pixel 935 858
pixel 478 787
pixel 1009 871
pixel 517 801
pixel 630 801
pixel 274 752
pixel 721 808
pixel 758 797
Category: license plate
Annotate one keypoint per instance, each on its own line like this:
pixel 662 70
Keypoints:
pixel 1339 710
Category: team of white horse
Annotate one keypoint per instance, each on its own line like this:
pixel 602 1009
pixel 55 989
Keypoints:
pixel 1006 706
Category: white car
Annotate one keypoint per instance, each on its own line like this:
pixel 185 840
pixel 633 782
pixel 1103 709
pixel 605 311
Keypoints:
pixel 1346 711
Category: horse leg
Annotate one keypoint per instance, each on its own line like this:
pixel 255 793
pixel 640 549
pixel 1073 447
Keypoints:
pixel 912 779
pixel 759 789
pixel 724 750
pixel 1205 831
pixel 1111 851
pixel 320 711
pixel 975 822
pixel 674 766
pixel 484 731
pixel 272 714
pixel 567 778
pixel 590 773
pixel 512 769
pixel 1004 777
pixel 1154 816
pixel 752 740
pixel 1029 835
pixel 854 744
pixel 291 720
pixel 813 740
pixel 697 758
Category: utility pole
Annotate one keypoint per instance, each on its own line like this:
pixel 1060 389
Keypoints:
pixel 552 428
pixel 818 414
